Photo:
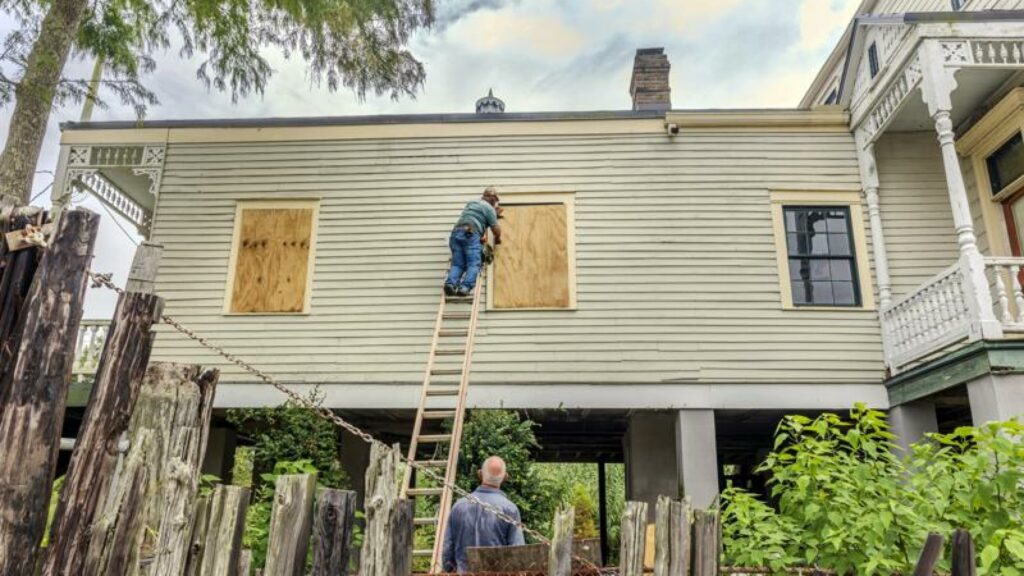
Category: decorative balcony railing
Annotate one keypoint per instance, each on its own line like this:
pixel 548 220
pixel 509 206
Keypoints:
pixel 92 334
pixel 937 316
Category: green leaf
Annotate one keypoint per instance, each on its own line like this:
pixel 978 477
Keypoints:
pixel 988 555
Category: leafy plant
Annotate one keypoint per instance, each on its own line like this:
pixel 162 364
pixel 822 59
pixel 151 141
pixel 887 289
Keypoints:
pixel 846 502
pixel 207 482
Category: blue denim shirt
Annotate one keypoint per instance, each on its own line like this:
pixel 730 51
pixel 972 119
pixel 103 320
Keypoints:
pixel 469 525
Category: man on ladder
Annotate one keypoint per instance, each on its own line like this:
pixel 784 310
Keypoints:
pixel 466 242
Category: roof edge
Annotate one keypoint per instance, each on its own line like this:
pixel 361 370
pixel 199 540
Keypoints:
pixel 818 116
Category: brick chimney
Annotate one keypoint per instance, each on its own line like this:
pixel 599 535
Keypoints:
pixel 649 85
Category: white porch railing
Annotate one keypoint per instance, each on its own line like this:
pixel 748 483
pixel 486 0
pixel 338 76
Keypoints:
pixel 936 316
pixel 92 334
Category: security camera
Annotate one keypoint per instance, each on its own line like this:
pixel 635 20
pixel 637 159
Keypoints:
pixel 673 129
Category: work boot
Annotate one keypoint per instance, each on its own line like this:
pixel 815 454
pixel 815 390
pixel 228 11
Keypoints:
pixel 463 292
pixel 449 290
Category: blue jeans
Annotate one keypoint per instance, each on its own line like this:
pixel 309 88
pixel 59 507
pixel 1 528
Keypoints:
pixel 466 258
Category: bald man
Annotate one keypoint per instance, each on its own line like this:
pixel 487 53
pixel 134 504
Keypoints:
pixel 469 525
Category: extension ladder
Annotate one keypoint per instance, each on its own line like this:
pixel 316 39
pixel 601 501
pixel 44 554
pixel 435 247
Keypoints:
pixel 443 401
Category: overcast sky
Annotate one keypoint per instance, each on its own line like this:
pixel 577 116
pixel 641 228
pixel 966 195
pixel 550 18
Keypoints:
pixel 537 55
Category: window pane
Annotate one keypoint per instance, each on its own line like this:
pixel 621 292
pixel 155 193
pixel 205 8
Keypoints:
pixel 837 221
pixel 801 292
pixel 840 270
pixel 1006 164
pixel 793 244
pixel 817 220
pixel 839 244
pixel 819 244
pixel 790 221
pixel 844 293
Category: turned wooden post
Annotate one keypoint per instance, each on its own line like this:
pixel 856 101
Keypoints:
pixel 115 389
pixel 34 391
pixel 290 522
pixel 560 553
pixel 146 520
pixel 632 539
pixel 332 531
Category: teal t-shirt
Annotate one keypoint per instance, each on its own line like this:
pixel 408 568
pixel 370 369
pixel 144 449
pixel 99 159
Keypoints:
pixel 479 214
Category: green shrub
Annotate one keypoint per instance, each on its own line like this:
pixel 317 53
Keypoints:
pixel 846 502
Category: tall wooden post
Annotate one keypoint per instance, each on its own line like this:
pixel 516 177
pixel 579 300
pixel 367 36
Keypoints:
pixel 332 531
pixel 222 546
pixel 560 553
pixel 115 388
pixel 381 498
pixel 17 269
pixel 602 509
pixel 146 521
pixel 930 555
pixel 707 543
pixel 662 536
pixel 962 562
pixel 291 520
pixel 632 539
pixel 35 390
pixel 679 535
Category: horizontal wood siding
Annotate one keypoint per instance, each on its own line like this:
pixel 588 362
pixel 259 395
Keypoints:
pixel 677 278
pixel 916 215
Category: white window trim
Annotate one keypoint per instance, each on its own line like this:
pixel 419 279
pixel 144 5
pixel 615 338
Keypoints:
pixel 241 205
pixel 850 200
pixel 568 198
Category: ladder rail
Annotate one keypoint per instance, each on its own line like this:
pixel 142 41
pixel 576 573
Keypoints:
pixel 413 442
pixel 456 437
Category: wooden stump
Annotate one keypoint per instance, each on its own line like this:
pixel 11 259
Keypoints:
pixel 167 441
pixel 679 535
pixel 223 535
pixel 332 531
pixel 381 498
pixel 707 543
pixel 632 537
pixel 560 554
pixel 33 392
pixel 114 392
pixel 290 522
pixel 17 269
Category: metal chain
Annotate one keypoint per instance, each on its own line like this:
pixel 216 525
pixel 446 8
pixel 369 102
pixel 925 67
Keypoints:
pixel 104 280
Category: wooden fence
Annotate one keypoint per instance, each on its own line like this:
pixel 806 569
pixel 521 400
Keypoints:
pixel 130 502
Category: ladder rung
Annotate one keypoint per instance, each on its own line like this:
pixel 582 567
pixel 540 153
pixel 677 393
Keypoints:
pixel 422 552
pixel 452 333
pixel 432 463
pixel 435 438
pixel 459 299
pixel 424 521
pixel 438 414
pixel 457 315
pixel 424 491
pixel 446 372
pixel 450 351
pixel 443 391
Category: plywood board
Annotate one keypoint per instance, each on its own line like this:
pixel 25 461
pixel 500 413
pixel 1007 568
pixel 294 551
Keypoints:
pixel 272 262
pixel 531 268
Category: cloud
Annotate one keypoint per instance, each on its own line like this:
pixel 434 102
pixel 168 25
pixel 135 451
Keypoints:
pixel 616 54
pixel 452 11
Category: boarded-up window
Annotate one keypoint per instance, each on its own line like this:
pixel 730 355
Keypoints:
pixel 532 266
pixel 273 248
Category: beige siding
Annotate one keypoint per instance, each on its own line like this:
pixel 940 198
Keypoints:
pixel 898 6
pixel 916 215
pixel 677 277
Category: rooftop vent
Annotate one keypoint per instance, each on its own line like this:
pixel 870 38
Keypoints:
pixel 649 85
pixel 490 104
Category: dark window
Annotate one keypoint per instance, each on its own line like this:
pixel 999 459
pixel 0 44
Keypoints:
pixel 833 97
pixel 822 266
pixel 1006 164
pixel 873 59
pixel 957 4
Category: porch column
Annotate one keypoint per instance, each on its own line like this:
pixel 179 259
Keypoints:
pixel 869 182
pixel 937 86
pixel 650 456
pixel 996 397
pixel 910 422
pixel 697 455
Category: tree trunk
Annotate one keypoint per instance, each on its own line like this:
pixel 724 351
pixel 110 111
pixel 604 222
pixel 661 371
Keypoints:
pixel 34 99
pixel 115 389
pixel 34 392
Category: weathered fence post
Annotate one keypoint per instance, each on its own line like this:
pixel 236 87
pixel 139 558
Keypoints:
pixel 963 563
pixel 707 543
pixel 332 531
pixel 245 563
pixel 34 392
pixel 115 388
pixel 146 520
pixel 560 553
pixel 662 536
pixel 632 536
pixel 930 555
pixel 376 558
pixel 17 269
pixel 290 522
pixel 402 535
pixel 226 523
pixel 197 541
pixel 679 521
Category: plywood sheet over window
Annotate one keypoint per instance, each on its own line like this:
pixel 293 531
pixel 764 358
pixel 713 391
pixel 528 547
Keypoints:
pixel 272 257
pixel 533 268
